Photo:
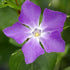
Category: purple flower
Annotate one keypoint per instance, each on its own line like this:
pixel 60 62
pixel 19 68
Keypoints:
pixel 48 32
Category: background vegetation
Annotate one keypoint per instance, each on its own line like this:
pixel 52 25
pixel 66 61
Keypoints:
pixel 11 56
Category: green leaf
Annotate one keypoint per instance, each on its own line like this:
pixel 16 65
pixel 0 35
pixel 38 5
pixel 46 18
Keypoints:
pixel 66 35
pixel 17 61
pixel 5 49
pixel 68 68
pixel 46 61
pixel 8 17
pixel 43 62
pixel 3 3
pixel 11 3
pixel 12 41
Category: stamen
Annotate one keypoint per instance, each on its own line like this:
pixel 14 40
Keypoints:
pixel 36 32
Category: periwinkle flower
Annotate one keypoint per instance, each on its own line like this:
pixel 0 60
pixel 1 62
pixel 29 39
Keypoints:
pixel 48 32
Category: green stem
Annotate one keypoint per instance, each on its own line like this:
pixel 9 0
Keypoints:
pixel 32 66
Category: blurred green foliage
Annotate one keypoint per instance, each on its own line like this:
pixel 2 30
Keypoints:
pixel 6 49
pixel 11 3
pixel 7 17
pixel 44 62
pixel 68 68
pixel 9 49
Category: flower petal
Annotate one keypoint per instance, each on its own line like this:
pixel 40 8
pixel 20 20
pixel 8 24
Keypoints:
pixel 32 50
pixel 30 14
pixel 53 43
pixel 53 20
pixel 18 32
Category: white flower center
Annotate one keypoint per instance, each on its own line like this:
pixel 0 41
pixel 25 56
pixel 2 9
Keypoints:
pixel 36 32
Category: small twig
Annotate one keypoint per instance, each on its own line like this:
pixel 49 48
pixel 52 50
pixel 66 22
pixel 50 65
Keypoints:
pixel 16 2
pixel 17 5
